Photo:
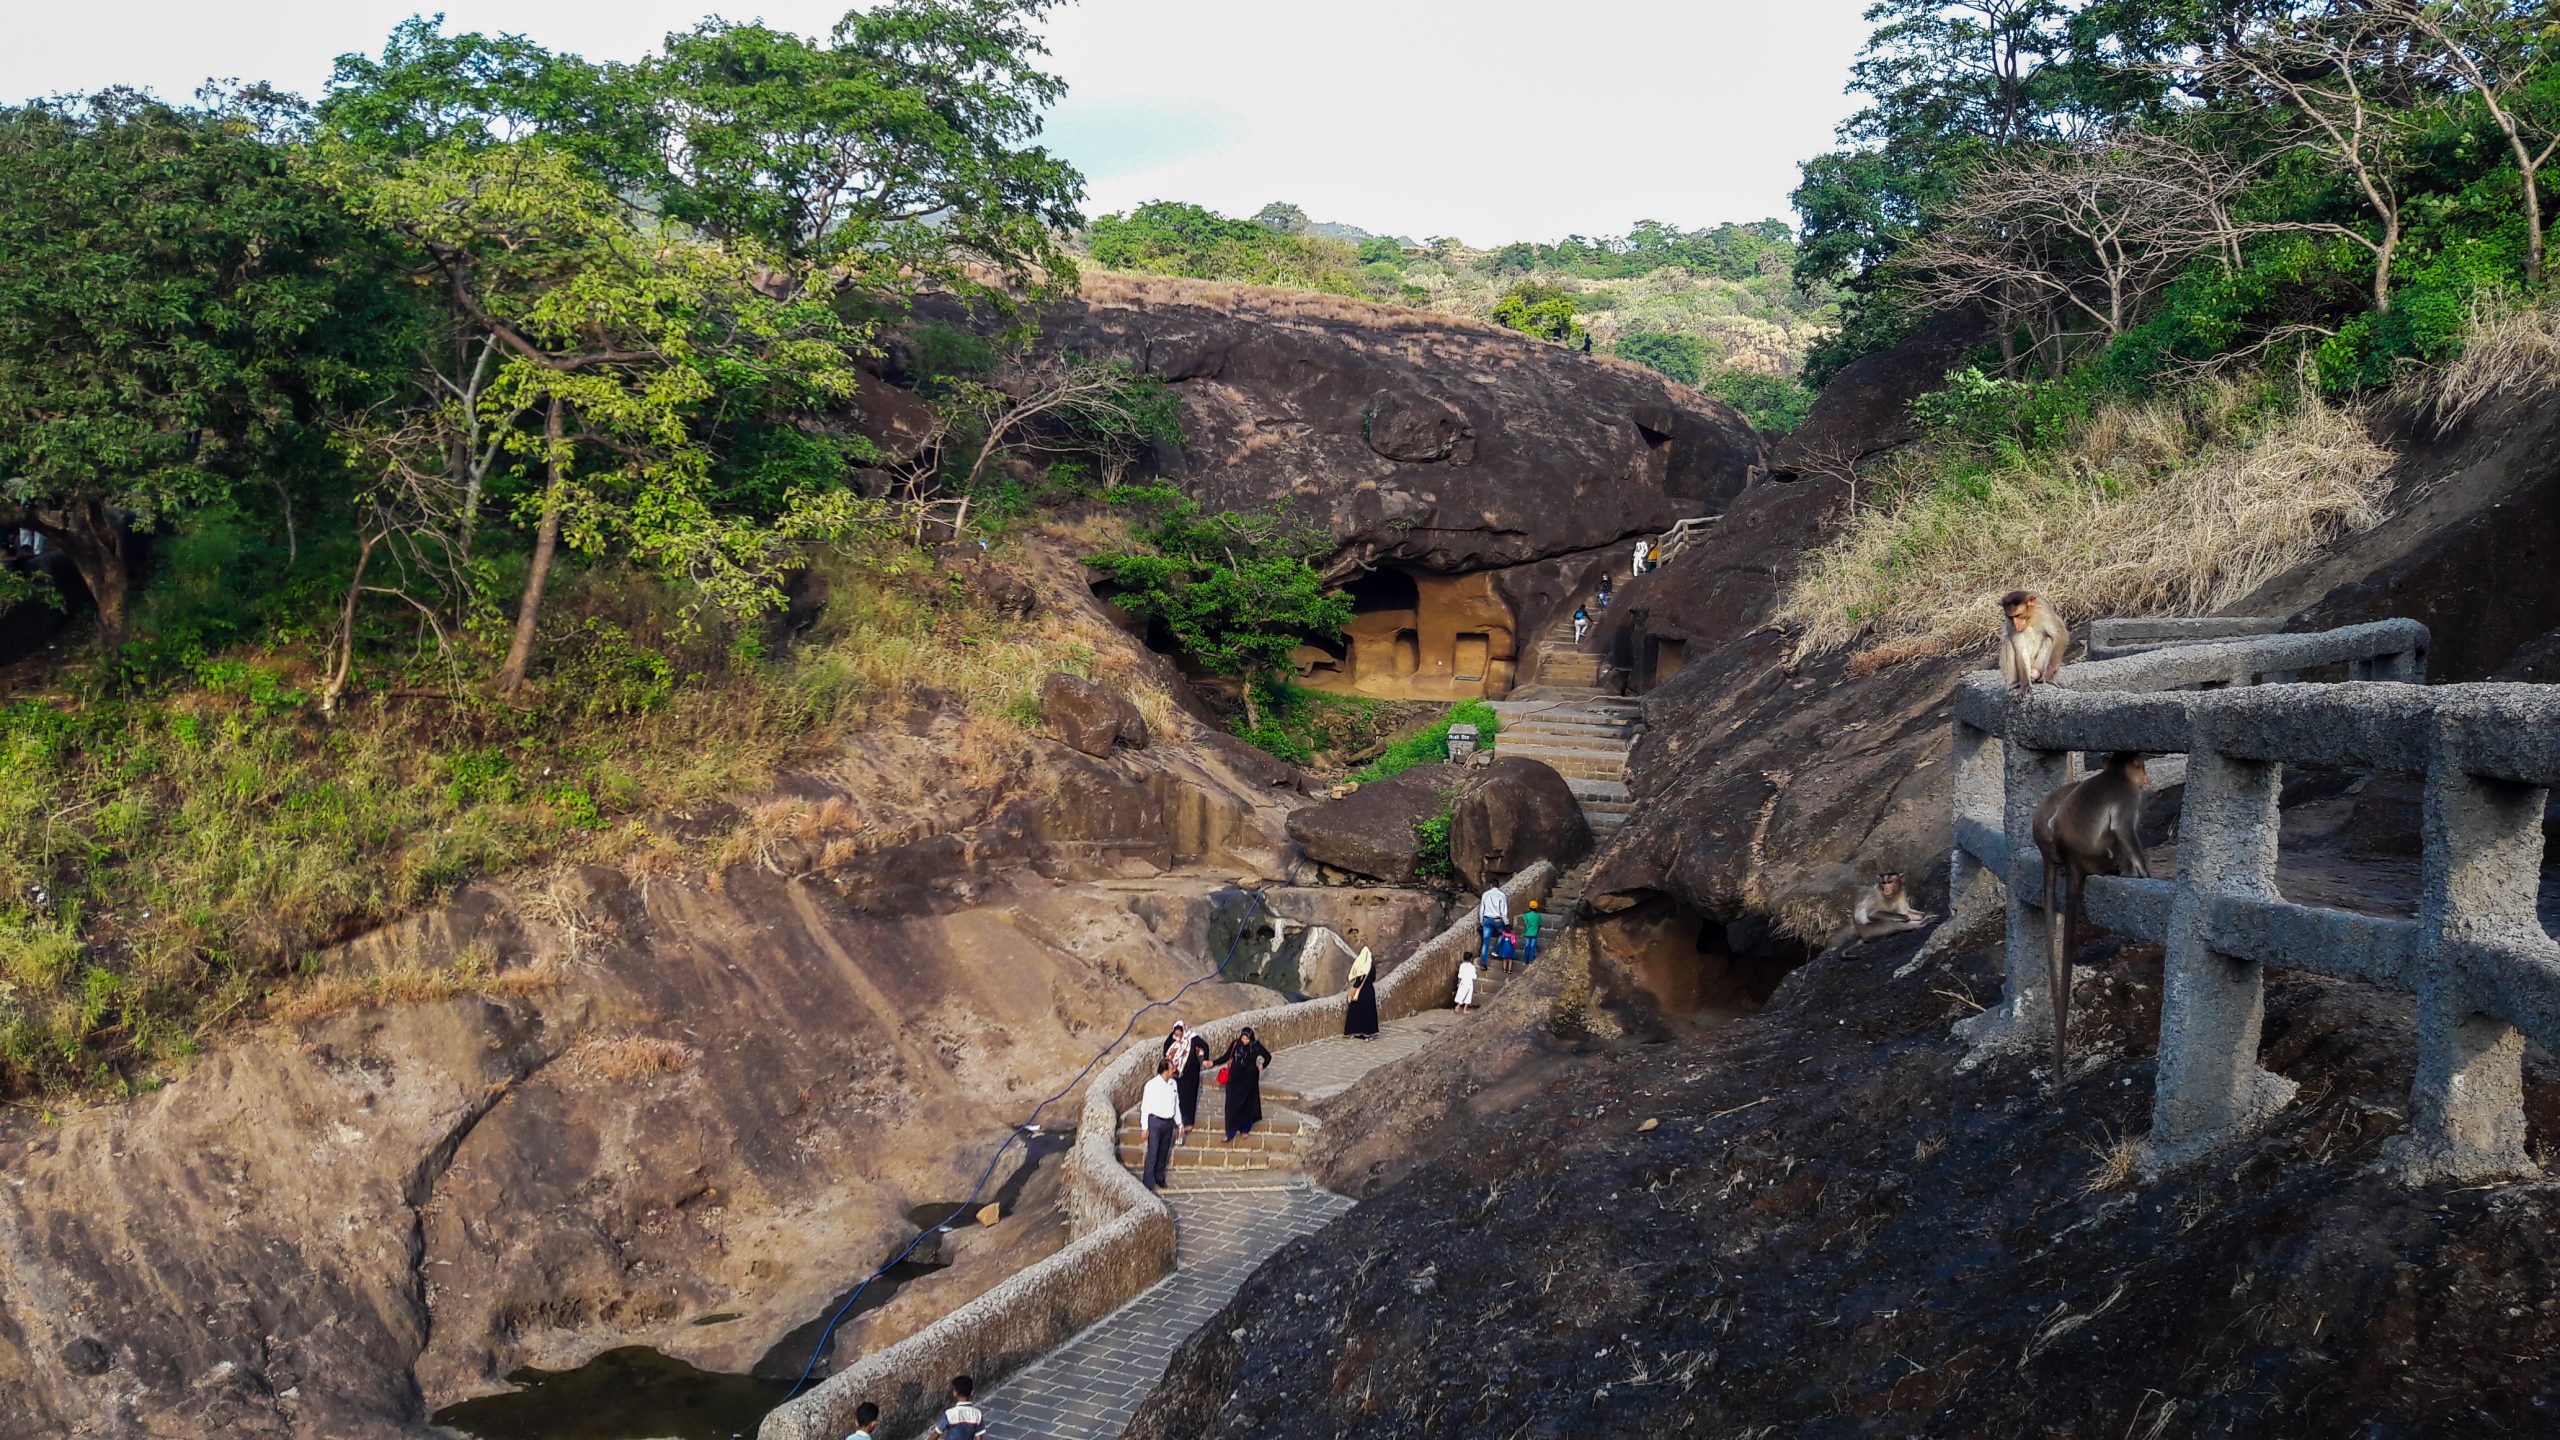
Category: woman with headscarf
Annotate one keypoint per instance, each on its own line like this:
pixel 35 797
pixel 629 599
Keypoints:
pixel 1244 1062
pixel 1360 1012
pixel 1187 1080
pixel 1174 1041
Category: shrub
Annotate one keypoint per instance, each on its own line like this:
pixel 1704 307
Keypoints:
pixel 1682 357
pixel 1430 744
pixel 1431 848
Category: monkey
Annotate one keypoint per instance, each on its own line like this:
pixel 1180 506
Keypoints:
pixel 1883 908
pixel 2032 639
pixel 2091 826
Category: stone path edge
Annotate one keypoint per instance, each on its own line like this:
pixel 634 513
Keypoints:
pixel 1124 1236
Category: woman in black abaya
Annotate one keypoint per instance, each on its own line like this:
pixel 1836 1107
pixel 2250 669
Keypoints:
pixel 1360 1012
pixel 1187 1081
pixel 1245 1060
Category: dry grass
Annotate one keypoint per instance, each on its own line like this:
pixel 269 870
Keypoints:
pixel 2177 506
pixel 2119 1161
pixel 2510 349
pixel 411 982
pixel 627 1059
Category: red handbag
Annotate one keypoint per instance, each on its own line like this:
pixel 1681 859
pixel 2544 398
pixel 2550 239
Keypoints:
pixel 1222 1074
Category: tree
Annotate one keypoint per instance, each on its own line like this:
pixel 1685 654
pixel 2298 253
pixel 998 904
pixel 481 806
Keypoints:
pixel 2499 53
pixel 1064 405
pixel 626 333
pixel 174 320
pixel 1536 308
pixel 1284 218
pixel 1682 357
pixel 1238 590
pixel 899 152
pixel 2344 75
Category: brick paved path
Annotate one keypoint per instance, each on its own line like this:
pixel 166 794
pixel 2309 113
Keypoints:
pixel 1088 1388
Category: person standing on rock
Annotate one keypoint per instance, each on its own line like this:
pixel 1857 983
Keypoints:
pixel 1187 1083
pixel 1492 913
pixel 1243 1065
pixel 1466 983
pixel 1360 1011
pixel 1161 1109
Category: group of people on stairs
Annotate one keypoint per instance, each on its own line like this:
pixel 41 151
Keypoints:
pixel 1170 1105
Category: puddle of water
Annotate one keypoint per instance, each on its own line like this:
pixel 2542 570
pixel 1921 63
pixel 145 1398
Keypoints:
pixel 633 1393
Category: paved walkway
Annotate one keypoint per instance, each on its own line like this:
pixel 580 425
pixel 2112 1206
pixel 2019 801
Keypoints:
pixel 1089 1387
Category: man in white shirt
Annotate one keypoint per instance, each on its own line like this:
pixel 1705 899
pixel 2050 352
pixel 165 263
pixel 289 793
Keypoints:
pixel 1644 549
pixel 1493 914
pixel 1161 1108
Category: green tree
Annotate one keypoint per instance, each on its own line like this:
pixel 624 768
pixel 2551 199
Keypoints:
pixel 1535 307
pixel 900 152
pixel 1682 357
pixel 617 341
pixel 1239 590
pixel 175 321
pixel 1283 217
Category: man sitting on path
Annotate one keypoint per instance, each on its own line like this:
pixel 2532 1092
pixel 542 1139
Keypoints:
pixel 1161 1108
pixel 1494 913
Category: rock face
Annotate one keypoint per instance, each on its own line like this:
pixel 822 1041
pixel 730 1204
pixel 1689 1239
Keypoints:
pixel 1515 813
pixel 1370 831
pixel 1866 409
pixel 1467 474
pixel 1088 716
pixel 1415 439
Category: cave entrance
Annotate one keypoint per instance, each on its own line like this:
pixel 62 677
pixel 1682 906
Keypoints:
pixel 1417 636
pixel 1696 965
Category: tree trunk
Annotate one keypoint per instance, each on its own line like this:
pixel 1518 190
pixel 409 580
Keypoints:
pixel 2382 265
pixel 1252 716
pixel 2532 228
pixel 546 542
pixel 99 550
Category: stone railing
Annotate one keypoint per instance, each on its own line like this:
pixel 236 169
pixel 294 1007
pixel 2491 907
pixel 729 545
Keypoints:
pixel 1679 536
pixel 2109 639
pixel 1124 1235
pixel 2484 972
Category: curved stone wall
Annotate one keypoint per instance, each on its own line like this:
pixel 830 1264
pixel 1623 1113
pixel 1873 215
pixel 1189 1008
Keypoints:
pixel 1124 1235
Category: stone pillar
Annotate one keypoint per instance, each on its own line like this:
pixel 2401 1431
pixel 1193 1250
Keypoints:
pixel 1462 741
pixel 2409 667
pixel 2023 1020
pixel 2211 1088
pixel 1977 759
pixel 2482 871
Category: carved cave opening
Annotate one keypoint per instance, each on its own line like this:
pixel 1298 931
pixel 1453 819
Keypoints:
pixel 1417 636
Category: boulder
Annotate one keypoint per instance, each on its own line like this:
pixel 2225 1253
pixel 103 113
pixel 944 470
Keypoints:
pixel 1090 717
pixel 1370 831
pixel 1417 441
pixel 1515 813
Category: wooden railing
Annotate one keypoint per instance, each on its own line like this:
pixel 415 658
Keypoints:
pixel 2484 972
pixel 1677 538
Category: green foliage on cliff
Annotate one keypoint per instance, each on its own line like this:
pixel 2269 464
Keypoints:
pixel 1430 744
pixel 1238 590
pixel 1545 311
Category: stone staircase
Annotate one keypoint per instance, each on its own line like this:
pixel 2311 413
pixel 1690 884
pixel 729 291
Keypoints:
pixel 1270 1153
pixel 1587 741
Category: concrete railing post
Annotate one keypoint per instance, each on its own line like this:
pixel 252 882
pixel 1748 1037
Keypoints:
pixel 2211 1087
pixel 2481 875
pixel 1977 759
pixel 2024 1016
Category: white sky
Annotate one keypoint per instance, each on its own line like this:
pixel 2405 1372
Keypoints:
pixel 1486 119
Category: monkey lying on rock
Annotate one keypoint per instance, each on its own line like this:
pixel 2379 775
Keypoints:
pixel 1883 908
pixel 2089 827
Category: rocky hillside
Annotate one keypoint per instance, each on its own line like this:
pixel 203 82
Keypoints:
pixel 688 1105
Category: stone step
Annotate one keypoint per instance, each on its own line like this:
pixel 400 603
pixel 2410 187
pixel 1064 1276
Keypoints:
pixel 1542 746
pixel 1580 737
pixel 1561 756
pixel 1614 809
pixel 1597 789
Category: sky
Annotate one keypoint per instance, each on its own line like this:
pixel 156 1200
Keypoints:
pixel 1488 120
